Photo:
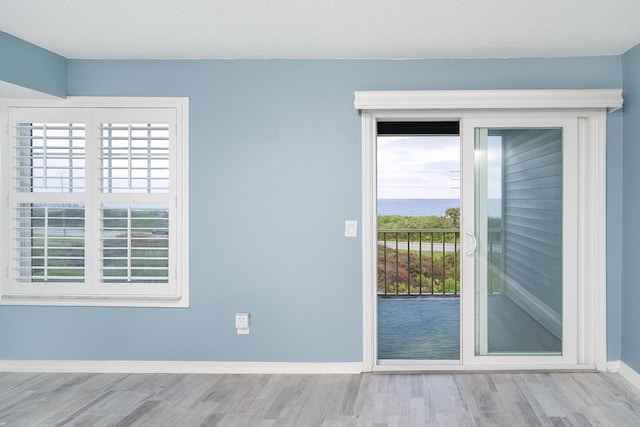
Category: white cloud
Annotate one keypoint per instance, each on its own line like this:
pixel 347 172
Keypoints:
pixel 418 167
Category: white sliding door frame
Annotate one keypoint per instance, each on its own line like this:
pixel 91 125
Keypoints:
pixel 475 294
pixel 589 107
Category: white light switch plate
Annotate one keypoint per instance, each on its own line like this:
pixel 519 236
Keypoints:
pixel 350 228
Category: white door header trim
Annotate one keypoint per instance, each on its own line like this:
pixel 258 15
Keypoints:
pixel 610 99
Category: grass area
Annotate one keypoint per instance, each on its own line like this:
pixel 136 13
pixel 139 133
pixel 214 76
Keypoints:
pixel 398 222
pixel 402 222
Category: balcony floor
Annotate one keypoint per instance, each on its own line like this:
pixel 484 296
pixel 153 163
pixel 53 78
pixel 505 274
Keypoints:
pixel 428 328
pixel 422 328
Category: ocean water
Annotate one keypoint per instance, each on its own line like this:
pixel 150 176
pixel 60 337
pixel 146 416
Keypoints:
pixel 429 207
pixel 416 207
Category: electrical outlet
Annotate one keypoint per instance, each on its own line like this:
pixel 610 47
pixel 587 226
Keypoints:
pixel 242 323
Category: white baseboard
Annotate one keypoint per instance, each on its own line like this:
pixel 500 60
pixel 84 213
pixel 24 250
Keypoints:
pixel 627 372
pixel 177 367
pixel 613 366
pixel 204 367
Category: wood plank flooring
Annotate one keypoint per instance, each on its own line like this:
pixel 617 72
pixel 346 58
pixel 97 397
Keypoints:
pixel 496 399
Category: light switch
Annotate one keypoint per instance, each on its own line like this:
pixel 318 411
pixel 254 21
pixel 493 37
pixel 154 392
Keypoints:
pixel 350 228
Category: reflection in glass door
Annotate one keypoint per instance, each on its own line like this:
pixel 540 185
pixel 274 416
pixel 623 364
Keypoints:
pixel 518 203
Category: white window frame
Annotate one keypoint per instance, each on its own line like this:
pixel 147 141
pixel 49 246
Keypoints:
pixel 589 107
pixel 92 292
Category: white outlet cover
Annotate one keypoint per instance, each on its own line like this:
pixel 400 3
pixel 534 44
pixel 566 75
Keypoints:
pixel 242 321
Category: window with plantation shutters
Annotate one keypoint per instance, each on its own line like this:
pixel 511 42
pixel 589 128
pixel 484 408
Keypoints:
pixel 97 201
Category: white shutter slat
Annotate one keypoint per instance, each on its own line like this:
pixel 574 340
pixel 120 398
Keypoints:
pixel 134 158
pixel 135 243
pixel 50 157
pixel 50 242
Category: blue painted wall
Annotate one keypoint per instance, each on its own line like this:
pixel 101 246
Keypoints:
pixel 630 317
pixel 275 171
pixel 30 66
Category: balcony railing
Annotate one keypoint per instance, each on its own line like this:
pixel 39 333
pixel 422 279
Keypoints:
pixel 414 262
pixel 419 261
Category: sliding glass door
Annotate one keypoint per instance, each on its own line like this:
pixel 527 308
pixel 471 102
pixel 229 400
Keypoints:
pixel 520 228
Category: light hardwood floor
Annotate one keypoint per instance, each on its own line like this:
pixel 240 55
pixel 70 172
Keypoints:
pixel 496 399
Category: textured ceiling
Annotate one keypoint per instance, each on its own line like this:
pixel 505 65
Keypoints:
pixel 173 29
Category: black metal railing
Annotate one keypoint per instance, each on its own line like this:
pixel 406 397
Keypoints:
pixel 419 261
pixel 414 262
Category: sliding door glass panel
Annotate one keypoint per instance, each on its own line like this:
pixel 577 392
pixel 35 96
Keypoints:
pixel 518 227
